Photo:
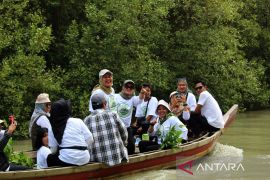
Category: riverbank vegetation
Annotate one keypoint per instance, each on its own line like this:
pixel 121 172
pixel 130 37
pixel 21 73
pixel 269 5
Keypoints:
pixel 58 47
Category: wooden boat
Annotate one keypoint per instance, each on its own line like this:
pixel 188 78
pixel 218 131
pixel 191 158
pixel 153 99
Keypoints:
pixel 159 159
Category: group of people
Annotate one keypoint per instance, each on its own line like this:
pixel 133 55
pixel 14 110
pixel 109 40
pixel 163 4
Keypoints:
pixel 108 133
pixel 156 118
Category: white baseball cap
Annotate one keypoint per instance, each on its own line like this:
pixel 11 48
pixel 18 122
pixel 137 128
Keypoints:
pixel 173 93
pixel 103 72
pixel 43 98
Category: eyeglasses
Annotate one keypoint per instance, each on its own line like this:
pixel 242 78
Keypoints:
pixel 199 87
pixel 130 87
pixel 48 104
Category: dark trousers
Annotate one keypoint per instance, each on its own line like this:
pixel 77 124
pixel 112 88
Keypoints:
pixel 14 167
pixel 145 146
pixel 198 124
pixel 131 144
pixel 53 160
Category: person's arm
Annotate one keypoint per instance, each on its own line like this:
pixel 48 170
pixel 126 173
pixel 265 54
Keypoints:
pixel 186 113
pixel 88 136
pixel 8 133
pixel 121 128
pixel 198 109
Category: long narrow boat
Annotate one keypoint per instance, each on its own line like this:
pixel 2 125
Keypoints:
pixel 159 159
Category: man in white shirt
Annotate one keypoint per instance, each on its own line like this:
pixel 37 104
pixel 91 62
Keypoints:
pixel 208 115
pixel 123 103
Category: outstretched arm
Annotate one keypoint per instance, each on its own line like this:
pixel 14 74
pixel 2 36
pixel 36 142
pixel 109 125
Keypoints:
pixel 8 133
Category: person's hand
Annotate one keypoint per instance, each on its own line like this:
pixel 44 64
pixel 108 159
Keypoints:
pixel 183 98
pixel 187 108
pixel 142 93
pixel 12 127
pixel 139 130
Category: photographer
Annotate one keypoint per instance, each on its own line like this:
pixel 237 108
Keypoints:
pixel 4 138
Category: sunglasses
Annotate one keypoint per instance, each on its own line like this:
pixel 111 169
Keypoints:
pixel 48 104
pixel 199 87
pixel 129 86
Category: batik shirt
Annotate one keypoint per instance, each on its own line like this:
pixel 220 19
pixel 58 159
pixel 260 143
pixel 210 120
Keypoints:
pixel 109 135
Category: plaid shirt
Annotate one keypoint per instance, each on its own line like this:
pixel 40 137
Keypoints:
pixel 109 134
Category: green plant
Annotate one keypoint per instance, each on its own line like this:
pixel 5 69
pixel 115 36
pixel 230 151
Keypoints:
pixel 18 158
pixel 172 138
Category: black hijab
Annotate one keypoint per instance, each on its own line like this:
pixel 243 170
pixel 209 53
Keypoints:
pixel 60 112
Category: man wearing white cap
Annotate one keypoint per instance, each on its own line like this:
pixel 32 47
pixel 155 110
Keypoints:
pixel 104 86
pixel 123 103
pixel 40 118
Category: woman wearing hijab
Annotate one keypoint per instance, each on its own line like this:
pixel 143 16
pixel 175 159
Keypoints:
pixel 165 121
pixel 104 87
pixel 72 136
pixel 40 118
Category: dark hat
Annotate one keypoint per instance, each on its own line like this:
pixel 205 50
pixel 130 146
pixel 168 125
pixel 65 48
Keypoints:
pixel 98 99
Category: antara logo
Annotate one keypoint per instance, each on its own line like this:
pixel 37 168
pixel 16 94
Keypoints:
pixel 187 167
pixel 184 165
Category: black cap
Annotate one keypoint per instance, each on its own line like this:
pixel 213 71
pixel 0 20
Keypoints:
pixel 98 100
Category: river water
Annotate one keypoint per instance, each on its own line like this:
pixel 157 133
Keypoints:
pixel 243 152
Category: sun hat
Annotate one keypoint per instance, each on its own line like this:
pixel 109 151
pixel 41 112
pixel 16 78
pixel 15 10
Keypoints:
pixel 163 103
pixel 103 72
pixel 43 98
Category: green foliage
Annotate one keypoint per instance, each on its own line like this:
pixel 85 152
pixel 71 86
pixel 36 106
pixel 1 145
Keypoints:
pixel 23 73
pixel 17 158
pixel 172 138
pixel 58 47
pixel 211 48
pixel 120 36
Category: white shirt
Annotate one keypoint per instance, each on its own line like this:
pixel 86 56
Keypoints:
pixel 169 123
pixel 123 107
pixel 76 134
pixel 151 109
pixel 191 101
pixel 44 122
pixel 2 132
pixel 42 155
pixel 99 91
pixel 211 110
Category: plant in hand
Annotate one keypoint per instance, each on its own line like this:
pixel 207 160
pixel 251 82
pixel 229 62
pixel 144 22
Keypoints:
pixel 172 139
